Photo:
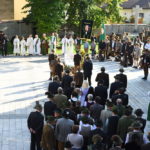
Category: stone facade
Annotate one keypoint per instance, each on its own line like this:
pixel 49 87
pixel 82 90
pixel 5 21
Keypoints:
pixel 12 9
pixel 12 28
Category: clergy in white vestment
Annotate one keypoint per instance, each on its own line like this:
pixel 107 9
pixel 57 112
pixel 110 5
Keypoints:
pixel 71 44
pixel 53 42
pixel 30 45
pixel 16 44
pixel 64 44
pixel 37 45
pixel 23 46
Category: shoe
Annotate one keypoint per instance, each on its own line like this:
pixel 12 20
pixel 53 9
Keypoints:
pixel 144 78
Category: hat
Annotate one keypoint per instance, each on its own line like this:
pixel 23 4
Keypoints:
pixel 139 112
pixel 50 118
pixel 102 68
pixel 117 77
pixel 38 105
pixel 121 70
pixel 136 124
pixel 67 71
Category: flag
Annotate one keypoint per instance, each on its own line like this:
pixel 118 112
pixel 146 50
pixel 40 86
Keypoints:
pixel 103 32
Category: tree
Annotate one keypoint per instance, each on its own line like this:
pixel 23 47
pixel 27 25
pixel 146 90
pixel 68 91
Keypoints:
pixel 47 15
pixel 50 15
pixel 100 11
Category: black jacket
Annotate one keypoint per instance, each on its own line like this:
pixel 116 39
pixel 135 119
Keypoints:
pixel 103 76
pixel 77 59
pixel 36 122
pixel 102 92
pixel 66 82
pixel 53 86
pixel 114 86
pixel 123 79
pixel 124 97
pixel 87 68
pixel 112 125
pixel 49 108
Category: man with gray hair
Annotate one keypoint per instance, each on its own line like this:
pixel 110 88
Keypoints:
pixel 60 99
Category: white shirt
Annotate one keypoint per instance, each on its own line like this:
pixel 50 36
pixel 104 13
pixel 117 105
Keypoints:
pixel 147 46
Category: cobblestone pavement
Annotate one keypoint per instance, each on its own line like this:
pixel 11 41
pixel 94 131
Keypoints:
pixel 24 80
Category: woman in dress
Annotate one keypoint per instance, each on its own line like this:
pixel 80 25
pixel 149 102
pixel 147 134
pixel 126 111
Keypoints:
pixel 84 90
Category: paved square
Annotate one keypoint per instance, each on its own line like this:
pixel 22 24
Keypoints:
pixel 24 80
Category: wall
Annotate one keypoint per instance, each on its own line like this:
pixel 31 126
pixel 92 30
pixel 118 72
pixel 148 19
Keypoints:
pixel 6 10
pixel 121 28
pixel 18 12
pixel 12 28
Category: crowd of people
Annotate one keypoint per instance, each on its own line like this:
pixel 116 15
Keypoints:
pixel 79 116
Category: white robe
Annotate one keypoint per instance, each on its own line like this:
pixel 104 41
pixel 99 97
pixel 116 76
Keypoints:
pixel 64 45
pixel 71 44
pixel 52 43
pixel 16 44
pixel 23 47
pixel 30 45
pixel 37 46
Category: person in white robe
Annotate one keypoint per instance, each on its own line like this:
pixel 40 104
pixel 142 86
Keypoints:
pixel 23 46
pixel 53 42
pixel 64 45
pixel 30 45
pixel 37 45
pixel 16 44
pixel 71 44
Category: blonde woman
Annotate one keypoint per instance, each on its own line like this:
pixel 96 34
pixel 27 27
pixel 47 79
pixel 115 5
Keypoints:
pixel 84 90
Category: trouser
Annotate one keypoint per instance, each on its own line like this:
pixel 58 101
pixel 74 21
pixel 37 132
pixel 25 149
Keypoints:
pixel 4 51
pixel 145 68
pixel 61 145
pixel 89 79
pixel 35 142
pixel 130 59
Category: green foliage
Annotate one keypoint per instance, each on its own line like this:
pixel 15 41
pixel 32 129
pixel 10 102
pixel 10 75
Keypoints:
pixel 50 15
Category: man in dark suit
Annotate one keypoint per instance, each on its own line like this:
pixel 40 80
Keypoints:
pixel 53 86
pixel 101 91
pixel 123 77
pixel 87 69
pixel 77 59
pixel 66 81
pixel 49 106
pixel 35 124
pixel 121 95
pixel 115 86
pixel 103 76
pixel 78 78
pixel 145 63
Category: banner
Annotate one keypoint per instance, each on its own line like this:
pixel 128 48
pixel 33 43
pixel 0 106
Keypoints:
pixel 103 32
pixel 86 29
